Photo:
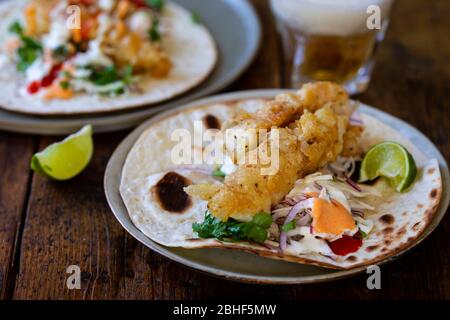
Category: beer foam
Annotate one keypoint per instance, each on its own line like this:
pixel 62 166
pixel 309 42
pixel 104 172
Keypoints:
pixel 328 17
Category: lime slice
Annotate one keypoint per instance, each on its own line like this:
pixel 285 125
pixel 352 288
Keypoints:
pixel 391 161
pixel 66 159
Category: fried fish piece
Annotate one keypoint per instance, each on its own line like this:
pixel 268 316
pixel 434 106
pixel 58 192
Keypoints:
pixel 303 147
pixel 283 110
pixel 352 146
pixel 288 107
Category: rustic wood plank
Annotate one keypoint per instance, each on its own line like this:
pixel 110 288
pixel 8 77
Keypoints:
pixel 155 277
pixel 15 154
pixel 265 72
pixel 69 223
pixel 421 274
pixel 412 81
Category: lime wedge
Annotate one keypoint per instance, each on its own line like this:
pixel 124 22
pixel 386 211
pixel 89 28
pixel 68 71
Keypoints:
pixel 391 161
pixel 66 159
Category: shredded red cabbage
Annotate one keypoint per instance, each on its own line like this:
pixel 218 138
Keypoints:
pixel 352 184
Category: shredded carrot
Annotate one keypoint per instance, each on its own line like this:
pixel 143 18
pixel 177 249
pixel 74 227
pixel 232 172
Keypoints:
pixel 56 91
pixel 121 29
pixel 76 35
pixel 30 19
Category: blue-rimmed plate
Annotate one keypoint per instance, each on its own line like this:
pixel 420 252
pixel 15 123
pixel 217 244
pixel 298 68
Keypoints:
pixel 237 32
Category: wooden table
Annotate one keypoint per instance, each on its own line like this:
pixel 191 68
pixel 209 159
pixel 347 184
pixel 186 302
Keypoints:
pixel 46 226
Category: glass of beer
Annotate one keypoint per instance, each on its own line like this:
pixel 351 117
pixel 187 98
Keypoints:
pixel 331 40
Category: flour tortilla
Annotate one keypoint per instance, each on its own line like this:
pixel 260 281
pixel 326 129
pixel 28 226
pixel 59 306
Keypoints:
pixel 190 46
pixel 399 220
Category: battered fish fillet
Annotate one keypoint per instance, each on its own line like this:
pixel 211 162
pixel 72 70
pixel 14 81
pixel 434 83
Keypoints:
pixel 285 109
pixel 288 107
pixel 304 146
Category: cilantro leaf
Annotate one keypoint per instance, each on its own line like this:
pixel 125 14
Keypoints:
pixel 195 18
pixel 289 226
pixel 60 53
pixel 101 76
pixel 211 228
pixel 218 173
pixel 255 231
pixel 16 28
pixel 262 219
pixel 156 4
pixel 154 34
pixel 30 49
pixel 127 74
pixel 64 85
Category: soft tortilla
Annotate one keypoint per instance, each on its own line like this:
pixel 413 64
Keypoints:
pixel 189 45
pixel 399 221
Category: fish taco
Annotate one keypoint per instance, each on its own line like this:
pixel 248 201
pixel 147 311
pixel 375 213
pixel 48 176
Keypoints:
pixel 348 190
pixel 80 56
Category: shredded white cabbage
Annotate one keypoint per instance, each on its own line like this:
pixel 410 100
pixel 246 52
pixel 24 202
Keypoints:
pixel 307 244
pixel 364 225
pixel 330 188
pixel 89 87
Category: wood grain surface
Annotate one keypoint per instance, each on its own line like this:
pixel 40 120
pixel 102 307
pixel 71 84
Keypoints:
pixel 46 226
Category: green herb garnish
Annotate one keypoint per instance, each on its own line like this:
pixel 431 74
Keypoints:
pixel 66 74
pixel 195 18
pixel 30 49
pixel 156 4
pixel 218 173
pixel 16 28
pixel 262 219
pixel 127 74
pixel 255 231
pixel 154 34
pixel 363 234
pixel 101 76
pixel 60 53
pixel 289 226
pixel 64 84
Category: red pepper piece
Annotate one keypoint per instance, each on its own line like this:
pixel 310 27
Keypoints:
pixel 34 87
pixel 346 245
pixel 50 78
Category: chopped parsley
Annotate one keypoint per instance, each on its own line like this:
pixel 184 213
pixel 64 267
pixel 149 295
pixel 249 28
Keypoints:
pixel 154 34
pixel 30 49
pixel 232 230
